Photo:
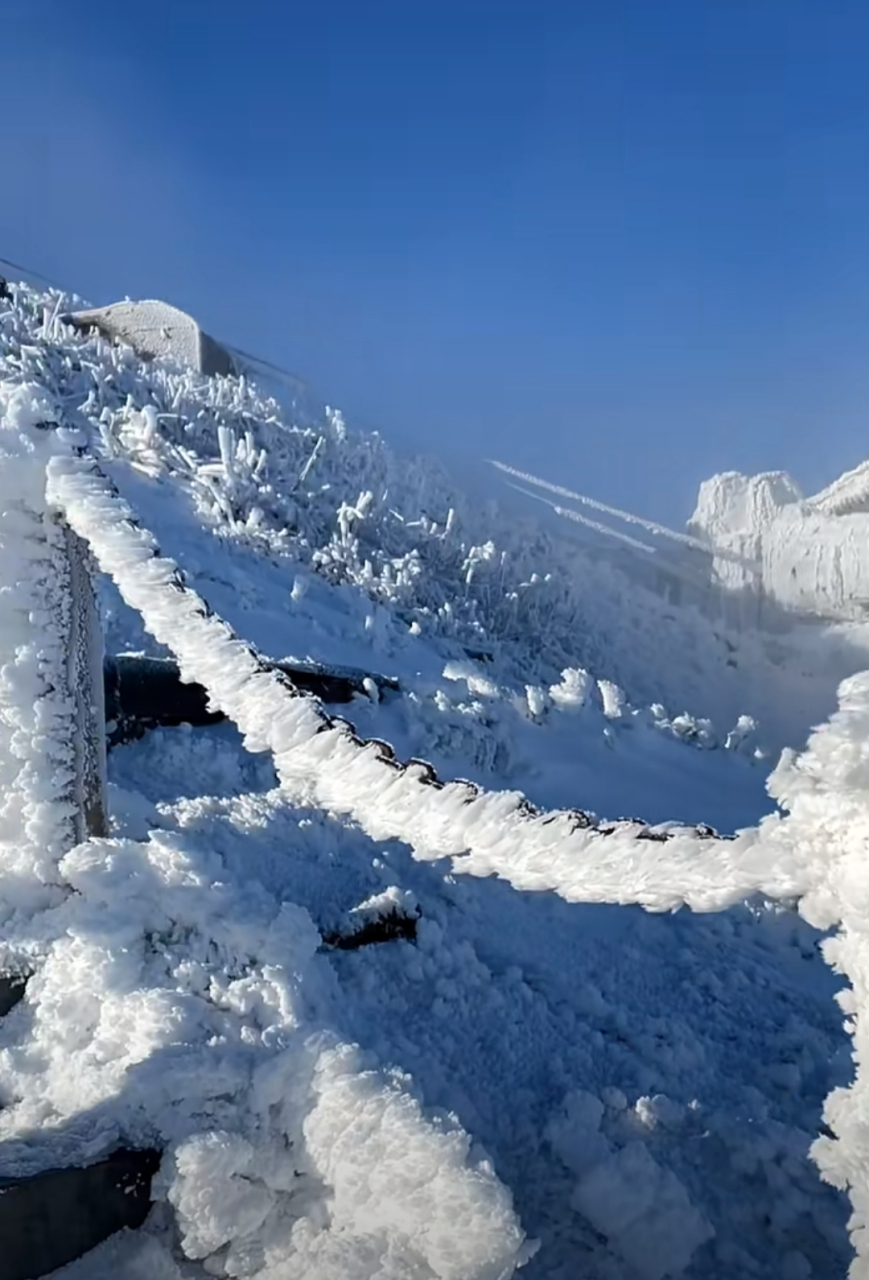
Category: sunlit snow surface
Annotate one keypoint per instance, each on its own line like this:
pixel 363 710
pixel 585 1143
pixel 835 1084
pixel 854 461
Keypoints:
pixel 644 1088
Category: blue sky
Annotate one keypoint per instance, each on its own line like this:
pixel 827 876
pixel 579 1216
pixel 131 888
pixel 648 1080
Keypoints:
pixel 623 244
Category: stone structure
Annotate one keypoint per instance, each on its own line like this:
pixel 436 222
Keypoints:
pixel 157 329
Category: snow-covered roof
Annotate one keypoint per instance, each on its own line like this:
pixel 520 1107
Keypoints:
pixel 846 495
pixel 155 329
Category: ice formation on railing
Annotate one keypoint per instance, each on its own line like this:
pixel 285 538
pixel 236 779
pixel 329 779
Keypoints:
pixel 825 792
pixel 487 833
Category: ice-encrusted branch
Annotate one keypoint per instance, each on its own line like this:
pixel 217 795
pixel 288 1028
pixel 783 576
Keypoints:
pixel 486 833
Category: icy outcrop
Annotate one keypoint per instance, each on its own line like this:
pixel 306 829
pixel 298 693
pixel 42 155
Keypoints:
pixel 735 505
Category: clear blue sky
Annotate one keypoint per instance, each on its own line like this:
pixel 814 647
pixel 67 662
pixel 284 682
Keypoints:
pixel 624 243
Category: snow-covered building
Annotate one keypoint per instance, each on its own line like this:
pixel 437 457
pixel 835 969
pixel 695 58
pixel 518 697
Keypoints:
pixel 776 553
pixel 154 329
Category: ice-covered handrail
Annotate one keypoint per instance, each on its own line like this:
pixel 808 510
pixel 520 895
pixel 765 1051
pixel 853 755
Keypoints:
pixel 487 833
pixel 119 1044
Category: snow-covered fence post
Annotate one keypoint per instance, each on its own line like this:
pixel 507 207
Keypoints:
pixel 85 657
pixel 52 730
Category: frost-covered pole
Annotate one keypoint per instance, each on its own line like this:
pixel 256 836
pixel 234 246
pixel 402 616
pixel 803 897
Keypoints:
pixel 85 657
pixel 52 733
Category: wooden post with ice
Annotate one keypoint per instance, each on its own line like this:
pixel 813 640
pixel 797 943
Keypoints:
pixel 84 669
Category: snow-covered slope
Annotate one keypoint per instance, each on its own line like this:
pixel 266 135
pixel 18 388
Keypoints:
pixel 541 1078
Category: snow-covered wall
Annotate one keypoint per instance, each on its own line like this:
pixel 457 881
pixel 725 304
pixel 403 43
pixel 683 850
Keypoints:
pixel 818 563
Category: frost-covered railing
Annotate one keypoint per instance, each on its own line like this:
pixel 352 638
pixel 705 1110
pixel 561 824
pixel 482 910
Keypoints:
pixel 84 671
pixel 486 833
pixel 116 1039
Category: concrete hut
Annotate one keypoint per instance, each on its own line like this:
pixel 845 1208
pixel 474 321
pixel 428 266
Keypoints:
pixel 154 329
